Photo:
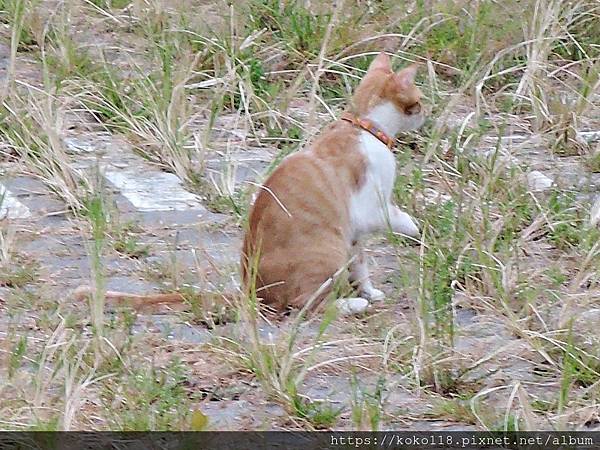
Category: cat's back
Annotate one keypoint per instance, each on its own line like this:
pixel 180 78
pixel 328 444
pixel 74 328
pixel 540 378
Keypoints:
pixel 313 185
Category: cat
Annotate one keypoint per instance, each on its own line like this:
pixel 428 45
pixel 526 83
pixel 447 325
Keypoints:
pixel 309 216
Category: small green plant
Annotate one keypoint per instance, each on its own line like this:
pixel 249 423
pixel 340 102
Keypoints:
pixel 22 16
pixel 566 228
pixel 579 368
pixel 68 60
pixel 149 399
pixel 321 415
pixel 510 423
pixel 225 203
pixel 16 356
pixel 208 308
pixel 461 39
pixel 109 4
pixel 18 273
pixel 163 271
pixel 543 406
pixel 15 277
pixel 292 22
pixel 125 241
pixel 593 162
pixel 441 266
pixel 455 409
pixel 130 247
pixel 366 407
pixel 96 212
pixel 557 276
pixel 48 424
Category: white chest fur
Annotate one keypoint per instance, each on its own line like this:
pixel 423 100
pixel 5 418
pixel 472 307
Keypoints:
pixel 369 205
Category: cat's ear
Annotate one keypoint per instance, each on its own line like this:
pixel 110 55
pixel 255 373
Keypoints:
pixel 406 77
pixel 381 61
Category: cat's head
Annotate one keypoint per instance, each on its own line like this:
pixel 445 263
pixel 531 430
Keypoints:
pixel 391 99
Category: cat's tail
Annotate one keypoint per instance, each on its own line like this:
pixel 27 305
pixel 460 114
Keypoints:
pixel 140 302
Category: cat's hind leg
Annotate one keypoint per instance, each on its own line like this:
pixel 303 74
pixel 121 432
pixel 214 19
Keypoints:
pixel 359 276
pixel 350 306
pixel 310 285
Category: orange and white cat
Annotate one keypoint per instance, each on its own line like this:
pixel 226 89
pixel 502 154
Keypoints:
pixel 311 213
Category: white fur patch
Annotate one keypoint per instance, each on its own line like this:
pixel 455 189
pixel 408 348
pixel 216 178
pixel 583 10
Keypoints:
pixel 391 121
pixel 370 207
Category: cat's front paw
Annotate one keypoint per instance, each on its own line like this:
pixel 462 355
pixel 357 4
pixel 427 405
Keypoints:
pixel 373 295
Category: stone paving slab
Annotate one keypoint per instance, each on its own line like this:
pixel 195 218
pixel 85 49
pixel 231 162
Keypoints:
pixel 154 191
pixel 10 207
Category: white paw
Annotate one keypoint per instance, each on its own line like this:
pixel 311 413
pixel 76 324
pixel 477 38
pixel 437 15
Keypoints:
pixel 407 225
pixel 373 295
pixel 411 229
pixel 352 306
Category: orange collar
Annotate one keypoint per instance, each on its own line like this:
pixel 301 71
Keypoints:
pixel 369 126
